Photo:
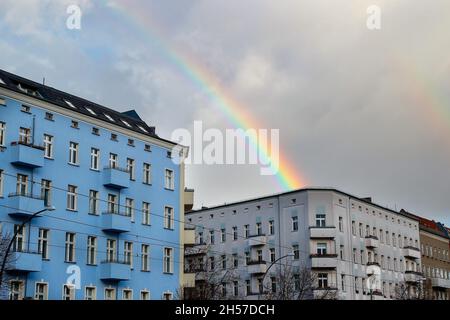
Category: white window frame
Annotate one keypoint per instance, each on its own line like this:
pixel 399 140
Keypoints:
pixel 113 296
pixel 169 179
pixel 144 292
pixel 168 260
pixel 91 246
pixel 20 292
pixel 131 168
pixel 294 223
pixel 128 252
pixel 113 160
pixel 129 207
pixel 71 293
pixel 48 146
pixel 73 153
pixel 93 202
pixel 146 217
pixel 2 133
pixel 43 243
pixel 169 217
pixel 70 242
pixel 95 159
pixel 94 296
pixel 145 257
pixel 147 173
pixel 43 294
pixel 72 197
pixel 111 250
pixel 127 290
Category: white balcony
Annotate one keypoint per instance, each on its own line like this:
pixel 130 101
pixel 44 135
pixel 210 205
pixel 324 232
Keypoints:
pixel 326 261
pixel 322 232
pixel 257 240
pixel 413 276
pixel 256 267
pixel 371 242
pixel 326 293
pixel 440 283
pixel 411 252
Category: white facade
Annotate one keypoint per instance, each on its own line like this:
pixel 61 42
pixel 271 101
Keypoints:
pixel 335 234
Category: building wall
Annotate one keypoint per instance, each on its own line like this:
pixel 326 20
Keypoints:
pixel 80 222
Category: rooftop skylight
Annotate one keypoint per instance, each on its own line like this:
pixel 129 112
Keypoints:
pixel 70 104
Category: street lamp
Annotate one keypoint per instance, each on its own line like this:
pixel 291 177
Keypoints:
pixel 265 273
pixel 16 232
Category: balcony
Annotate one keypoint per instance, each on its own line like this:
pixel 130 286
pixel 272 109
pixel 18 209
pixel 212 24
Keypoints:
pixel 25 261
pixel 116 178
pixel 24 204
pixel 257 267
pixel 440 283
pixel 371 242
pixel 411 252
pixel 116 222
pixel 322 232
pixel 413 276
pixel 373 263
pixel 188 199
pixel 257 240
pixel 323 261
pixel 196 250
pixel 325 293
pixel 115 270
pixel 27 155
pixel 189 280
pixel 189 237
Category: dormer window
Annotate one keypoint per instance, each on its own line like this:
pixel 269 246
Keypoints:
pixel 29 90
pixel 109 117
pixel 1 81
pixel 91 111
pixel 70 104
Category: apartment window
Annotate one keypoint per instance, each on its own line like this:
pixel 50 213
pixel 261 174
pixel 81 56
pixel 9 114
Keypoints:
pixel 145 295
pixel 247 257
pixel 146 213
pixel 259 228
pixel 271 227
pixel 72 198
pixel 341 252
pixel 93 201
pixel 129 208
pixel 113 206
pixel 110 294
pixel 200 238
pixel 168 217
pixel 235 288
pixel 70 247
pixel 167 296
pixel 235 233
pixel 24 135
pixel 113 160
pixel 22 184
pixel 212 264
pixel 147 148
pixel 41 291
pixel 273 284
pixel 130 168
pixel 73 153
pixel 247 231
pixel 296 252
pixel 16 290
pixel 343 283
pixel 169 181
pixel 381 236
pixel 168 260
pixel 296 282
pixel 355 255
pixel 248 287
pixel 127 294
pixel 95 158
pixel 43 243
pixel 68 292
pixel 91 250
pixel 294 223
pixel 235 260
pixel 394 240
pixel 114 137
pixel 259 255
pixel 353 228
pixel 361 232
pixel 74 124
pixel 341 224
pixel 320 220
pixel 90 293
pixel 223 235
pixel 46 187
pixel 147 174
pixel 145 251
pixel 19 244
pixel 131 142
pixel 387 238
pixel 322 280
pixel 111 250
pixel 95 131
pixel 212 239
pixel 361 255
pixel 1 183
pixel 272 254
pixel 321 248
pixel 223 258
pixel 260 286
pixel 128 253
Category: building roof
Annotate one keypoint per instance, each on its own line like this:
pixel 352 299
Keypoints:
pixel 129 119
pixel 431 226
pixel 367 200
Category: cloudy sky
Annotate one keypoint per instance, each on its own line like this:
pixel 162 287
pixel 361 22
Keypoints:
pixel 365 111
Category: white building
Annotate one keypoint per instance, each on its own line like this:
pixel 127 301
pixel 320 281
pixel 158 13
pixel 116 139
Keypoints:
pixel 336 235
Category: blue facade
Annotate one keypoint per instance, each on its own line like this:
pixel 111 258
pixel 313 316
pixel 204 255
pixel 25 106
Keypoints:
pixel 29 268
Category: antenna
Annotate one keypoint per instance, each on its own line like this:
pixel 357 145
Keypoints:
pixel 43 81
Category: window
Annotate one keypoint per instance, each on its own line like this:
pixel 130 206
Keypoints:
pixel 260 286
pixel 109 117
pixel 168 263
pixel 22 184
pixel 111 250
pixel 68 292
pixel 223 235
pixel 93 201
pixel 361 232
pixel 16 290
pixel 235 288
pixel 320 220
pixel 90 111
pixel 19 244
pixel 145 251
pixel 212 264
pixel 131 142
pixel 46 188
pixel 200 238
pixel 169 154
pixel 247 257
pixel 73 153
pixel 212 238
pixel 90 293
pixel 74 124
pixel 322 280
pixel 341 252
pixel 248 287
pixel 235 233
pixel 294 222
pixel 259 255
pixel 321 249
pixel 343 282
pixel 128 253
pixel 273 283
pixel 2 134
pixel 72 198
pixel 91 250
pixel 41 291
pixel 167 296
pixel 146 213
pixel 70 104
pixel 95 131
pixel 130 168
pixel 24 135
pixel 271 227
pixel 258 228
pixel 129 208
pixel 235 260
pixel 113 160
pixel 145 295
pixel 113 206
pixel 25 108
pixel 353 228
pixel 169 181
pixel 1 183
pixel 147 148
pixel 341 224
pixel 110 294
pixel 147 174
pixel 43 243
pixel 70 247
pixel 296 252
pixel 247 231
pixel 127 294
pixel 95 158
pixel 272 254
pixel 168 218
pixel 224 261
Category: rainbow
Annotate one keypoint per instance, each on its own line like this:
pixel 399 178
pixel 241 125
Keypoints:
pixel 288 177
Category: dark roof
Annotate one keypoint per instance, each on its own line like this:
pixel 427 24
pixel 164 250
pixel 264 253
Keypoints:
pixel 367 200
pixel 431 226
pixel 129 119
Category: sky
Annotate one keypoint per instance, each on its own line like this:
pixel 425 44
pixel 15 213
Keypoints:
pixel 364 111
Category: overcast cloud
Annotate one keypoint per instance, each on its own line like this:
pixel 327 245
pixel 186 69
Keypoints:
pixel 367 112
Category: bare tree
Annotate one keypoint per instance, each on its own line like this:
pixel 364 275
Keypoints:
pixel 410 291
pixel 6 259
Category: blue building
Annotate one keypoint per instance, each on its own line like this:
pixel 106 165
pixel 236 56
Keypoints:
pixel 114 194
